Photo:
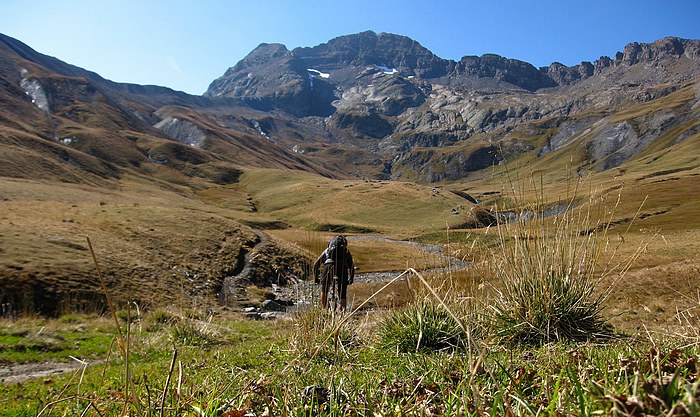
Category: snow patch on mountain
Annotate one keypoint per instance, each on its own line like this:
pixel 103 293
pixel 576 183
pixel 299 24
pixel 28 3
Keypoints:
pixel 182 131
pixel 318 73
pixel 259 128
pixel 387 70
pixel 34 90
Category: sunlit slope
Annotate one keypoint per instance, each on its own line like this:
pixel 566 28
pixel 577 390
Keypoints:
pixel 637 138
pixel 316 203
pixel 154 246
pixel 651 150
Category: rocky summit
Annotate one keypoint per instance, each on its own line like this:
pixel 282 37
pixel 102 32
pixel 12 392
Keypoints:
pixel 389 94
pixel 368 105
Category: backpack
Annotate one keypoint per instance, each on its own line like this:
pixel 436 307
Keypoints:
pixel 337 251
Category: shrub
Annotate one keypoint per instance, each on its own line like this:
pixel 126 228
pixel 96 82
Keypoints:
pixel 421 327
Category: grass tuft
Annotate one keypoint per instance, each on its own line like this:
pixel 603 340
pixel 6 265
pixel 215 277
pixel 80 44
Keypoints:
pixel 548 264
pixel 421 327
pixel 190 332
pixel 316 334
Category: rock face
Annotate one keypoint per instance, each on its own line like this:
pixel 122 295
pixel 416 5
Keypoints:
pixel 273 77
pixel 635 53
pixel 563 75
pixel 368 105
pixel 369 68
pixel 396 52
pixel 436 168
pixel 512 71
pixel 381 91
pixel 182 131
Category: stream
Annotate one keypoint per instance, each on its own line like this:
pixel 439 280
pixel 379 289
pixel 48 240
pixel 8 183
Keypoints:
pixel 303 294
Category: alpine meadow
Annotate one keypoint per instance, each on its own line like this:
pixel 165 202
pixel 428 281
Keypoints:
pixel 525 241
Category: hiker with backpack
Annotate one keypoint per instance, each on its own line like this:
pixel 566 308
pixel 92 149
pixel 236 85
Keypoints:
pixel 337 262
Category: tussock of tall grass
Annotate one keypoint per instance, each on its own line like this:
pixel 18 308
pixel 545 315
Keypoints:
pixel 421 327
pixel 551 269
pixel 190 333
pixel 317 333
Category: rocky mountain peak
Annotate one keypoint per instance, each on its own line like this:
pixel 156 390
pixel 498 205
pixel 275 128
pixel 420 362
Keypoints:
pixel 330 76
pixel 513 71
pixel 563 75
pixel 669 47
pixel 264 53
pixel 662 52
pixel 258 74
pixel 398 52
pixel 270 77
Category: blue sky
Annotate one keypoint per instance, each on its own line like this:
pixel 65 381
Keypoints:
pixel 185 44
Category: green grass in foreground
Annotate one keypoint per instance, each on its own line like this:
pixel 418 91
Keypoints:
pixel 292 368
pixel 36 340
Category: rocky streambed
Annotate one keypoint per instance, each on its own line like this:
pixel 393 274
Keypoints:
pixel 302 294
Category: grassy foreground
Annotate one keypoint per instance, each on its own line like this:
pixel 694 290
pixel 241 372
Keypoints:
pixel 192 366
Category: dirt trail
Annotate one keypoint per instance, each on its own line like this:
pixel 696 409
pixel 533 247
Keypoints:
pixel 304 293
pixel 20 372
pixel 450 261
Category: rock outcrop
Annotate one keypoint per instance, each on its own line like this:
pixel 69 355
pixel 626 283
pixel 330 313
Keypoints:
pixel 370 105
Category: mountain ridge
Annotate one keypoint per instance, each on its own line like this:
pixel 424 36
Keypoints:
pixel 394 51
pixel 374 99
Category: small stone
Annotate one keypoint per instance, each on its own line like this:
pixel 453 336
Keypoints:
pixel 252 315
pixel 272 305
pixel 284 302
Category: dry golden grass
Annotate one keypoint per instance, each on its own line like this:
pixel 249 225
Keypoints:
pixel 395 295
pixel 142 227
pixel 370 255
pixel 310 202
pixel 664 281
pixel 673 100
pixel 660 297
pixel 151 245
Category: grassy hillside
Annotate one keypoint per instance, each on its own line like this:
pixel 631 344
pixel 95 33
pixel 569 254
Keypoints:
pixel 154 245
pixel 315 203
pixel 159 242
pixel 144 229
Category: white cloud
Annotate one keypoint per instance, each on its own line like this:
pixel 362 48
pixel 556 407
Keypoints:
pixel 172 63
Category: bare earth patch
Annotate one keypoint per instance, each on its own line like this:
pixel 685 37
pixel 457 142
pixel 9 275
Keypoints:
pixel 20 372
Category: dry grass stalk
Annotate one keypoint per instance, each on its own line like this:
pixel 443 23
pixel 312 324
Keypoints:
pixel 124 349
pixel 167 382
pixel 110 304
